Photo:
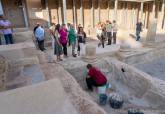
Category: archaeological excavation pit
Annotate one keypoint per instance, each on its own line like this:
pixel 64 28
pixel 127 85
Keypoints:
pixel 138 89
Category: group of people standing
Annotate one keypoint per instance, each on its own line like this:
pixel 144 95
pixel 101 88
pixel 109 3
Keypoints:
pixel 6 30
pixel 66 35
pixel 106 31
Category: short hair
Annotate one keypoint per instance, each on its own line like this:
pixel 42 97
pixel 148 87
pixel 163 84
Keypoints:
pixel 89 66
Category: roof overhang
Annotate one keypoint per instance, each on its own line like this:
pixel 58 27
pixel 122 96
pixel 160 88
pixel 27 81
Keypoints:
pixel 137 0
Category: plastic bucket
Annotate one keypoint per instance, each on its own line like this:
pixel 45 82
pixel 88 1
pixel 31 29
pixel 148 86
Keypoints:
pixel 103 99
pixel 102 89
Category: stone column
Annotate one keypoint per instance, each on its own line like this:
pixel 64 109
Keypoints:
pixel 153 10
pixel 126 17
pixel 60 19
pixel 162 13
pixel 123 15
pixel 146 17
pixel 64 12
pixel 134 16
pixel 99 10
pixel 90 55
pixel 108 9
pixel 92 13
pixel 82 13
pixel 151 33
pixel 25 13
pixel 141 12
pixel 115 10
pixel 1 8
pixel 48 13
pixel 74 13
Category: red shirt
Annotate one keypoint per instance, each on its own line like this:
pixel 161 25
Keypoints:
pixel 97 75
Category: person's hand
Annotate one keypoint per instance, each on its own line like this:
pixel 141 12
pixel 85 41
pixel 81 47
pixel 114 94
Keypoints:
pixel 87 76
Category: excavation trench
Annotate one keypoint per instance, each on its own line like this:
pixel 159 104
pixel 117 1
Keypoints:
pixel 138 89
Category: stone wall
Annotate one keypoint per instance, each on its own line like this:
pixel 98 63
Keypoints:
pixel 142 85
pixel 145 54
pixel 127 12
pixel 3 72
pixel 18 56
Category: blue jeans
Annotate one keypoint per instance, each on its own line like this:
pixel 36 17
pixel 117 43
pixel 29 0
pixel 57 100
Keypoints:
pixel 8 38
pixel 73 47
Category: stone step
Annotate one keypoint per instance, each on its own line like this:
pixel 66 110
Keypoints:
pixel 20 81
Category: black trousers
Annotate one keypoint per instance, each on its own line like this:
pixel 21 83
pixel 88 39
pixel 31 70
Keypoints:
pixel 41 45
pixel 109 36
pixel 101 41
pixel 8 39
pixel 114 37
pixel 90 83
pixel 65 49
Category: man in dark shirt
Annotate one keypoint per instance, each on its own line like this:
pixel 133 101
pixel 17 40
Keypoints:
pixel 95 77
pixel 138 30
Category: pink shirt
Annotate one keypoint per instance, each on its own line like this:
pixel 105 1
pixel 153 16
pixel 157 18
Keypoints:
pixel 63 36
pixel 5 23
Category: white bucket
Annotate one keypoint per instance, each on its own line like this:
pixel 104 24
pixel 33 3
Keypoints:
pixel 102 89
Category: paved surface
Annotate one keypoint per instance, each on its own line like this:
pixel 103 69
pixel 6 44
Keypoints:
pixel 44 98
pixel 108 50
pixel 155 68
pixel 35 73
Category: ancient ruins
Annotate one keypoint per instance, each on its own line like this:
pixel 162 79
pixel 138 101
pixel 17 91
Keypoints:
pixel 30 83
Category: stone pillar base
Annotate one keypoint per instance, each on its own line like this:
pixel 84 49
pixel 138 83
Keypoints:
pixel 90 55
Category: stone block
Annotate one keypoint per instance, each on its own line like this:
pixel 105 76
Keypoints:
pixel 37 99
pixel 151 33
pixel 41 57
pixel 25 61
pixel 155 99
pixel 138 81
pixel 90 54
pixel 3 72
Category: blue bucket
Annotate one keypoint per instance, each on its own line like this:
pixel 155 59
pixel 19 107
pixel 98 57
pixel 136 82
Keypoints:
pixel 103 99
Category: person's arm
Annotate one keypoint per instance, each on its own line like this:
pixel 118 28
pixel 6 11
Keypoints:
pixel 85 36
pixel 51 31
pixel 90 73
pixel 1 27
pixel 10 26
pixel 87 76
pixel 57 38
